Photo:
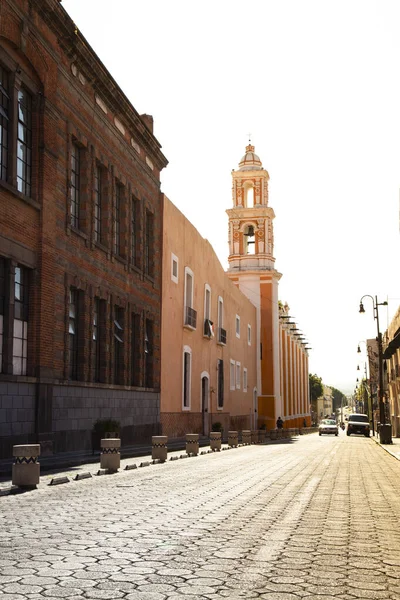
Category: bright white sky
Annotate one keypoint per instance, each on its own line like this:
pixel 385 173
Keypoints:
pixel 317 85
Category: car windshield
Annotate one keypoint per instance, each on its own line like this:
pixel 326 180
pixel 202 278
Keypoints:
pixel 359 418
pixel 328 422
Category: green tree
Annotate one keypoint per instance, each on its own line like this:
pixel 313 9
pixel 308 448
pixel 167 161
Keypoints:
pixel 337 397
pixel 316 387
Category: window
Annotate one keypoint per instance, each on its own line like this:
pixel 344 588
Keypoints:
pixel 148 353
pixel 190 317
pixel 250 243
pixel 20 333
pixel 73 334
pixel 117 220
pixel 174 268
pixel 135 216
pixel 149 245
pixel 118 344
pixel 187 374
pixel 24 142
pixel 98 204
pixel 237 326
pixel 244 379
pixel 249 335
pixel 238 369
pixel 98 338
pixel 4 123
pixel 221 330
pixel 220 386
pixel 135 350
pixel 232 374
pixel 208 324
pixel 75 184
pixel 2 303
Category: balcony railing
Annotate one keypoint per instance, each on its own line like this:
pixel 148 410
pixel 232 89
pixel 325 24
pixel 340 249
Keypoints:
pixel 190 317
pixel 221 335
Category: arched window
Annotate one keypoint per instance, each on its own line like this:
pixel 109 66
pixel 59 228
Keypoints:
pixel 249 240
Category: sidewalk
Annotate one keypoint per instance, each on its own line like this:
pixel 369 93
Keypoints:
pixel 393 448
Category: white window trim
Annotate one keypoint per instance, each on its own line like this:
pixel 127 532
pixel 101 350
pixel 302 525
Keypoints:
pixel 189 271
pixel 207 289
pixel 221 322
pixel 237 321
pixel 207 376
pixel 174 258
pixel 245 382
pixel 249 335
pixel 237 375
pixel 232 385
pixel 188 350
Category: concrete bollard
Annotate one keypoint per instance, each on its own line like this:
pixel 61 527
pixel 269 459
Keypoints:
pixel 110 457
pixel 261 436
pixel 246 437
pixel 26 468
pixel 254 436
pixel 159 449
pixel 192 443
pixel 215 440
pixel 233 439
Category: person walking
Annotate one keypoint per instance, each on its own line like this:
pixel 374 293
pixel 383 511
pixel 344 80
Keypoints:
pixel 279 423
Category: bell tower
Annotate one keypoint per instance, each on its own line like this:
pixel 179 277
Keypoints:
pixel 252 268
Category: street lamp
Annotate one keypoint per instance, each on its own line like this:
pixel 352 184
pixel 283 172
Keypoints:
pixel 385 429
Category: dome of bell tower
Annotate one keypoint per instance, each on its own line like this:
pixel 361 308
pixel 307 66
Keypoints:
pixel 250 161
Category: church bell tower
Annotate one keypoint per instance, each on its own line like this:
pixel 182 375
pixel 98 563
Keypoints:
pixel 252 268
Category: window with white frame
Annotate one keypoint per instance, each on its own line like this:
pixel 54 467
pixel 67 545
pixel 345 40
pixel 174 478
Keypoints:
pixel 190 314
pixel 244 379
pixel 232 375
pixel 221 331
pixel 237 326
pixel 187 376
pixel 208 324
pixel 238 367
pixel 174 268
pixel 249 335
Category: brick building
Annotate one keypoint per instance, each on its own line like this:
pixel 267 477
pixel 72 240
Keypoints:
pixel 80 240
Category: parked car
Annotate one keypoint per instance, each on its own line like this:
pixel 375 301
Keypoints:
pixel 328 426
pixel 358 423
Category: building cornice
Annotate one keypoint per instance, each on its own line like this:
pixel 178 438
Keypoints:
pixel 76 47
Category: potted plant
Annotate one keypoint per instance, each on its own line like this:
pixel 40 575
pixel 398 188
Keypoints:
pixel 104 428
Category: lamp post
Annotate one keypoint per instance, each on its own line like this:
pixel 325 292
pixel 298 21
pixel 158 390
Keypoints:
pixel 385 429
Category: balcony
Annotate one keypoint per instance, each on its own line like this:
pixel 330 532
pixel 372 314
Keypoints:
pixel 221 336
pixel 190 317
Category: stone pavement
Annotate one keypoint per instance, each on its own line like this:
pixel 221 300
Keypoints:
pixel 393 448
pixel 315 518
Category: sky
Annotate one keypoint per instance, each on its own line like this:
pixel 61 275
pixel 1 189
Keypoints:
pixel 316 83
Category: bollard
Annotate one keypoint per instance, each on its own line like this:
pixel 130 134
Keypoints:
pixel 233 439
pixel 26 468
pixel 254 436
pixel 192 443
pixel 159 450
pixel 110 457
pixel 261 436
pixel 246 436
pixel 215 440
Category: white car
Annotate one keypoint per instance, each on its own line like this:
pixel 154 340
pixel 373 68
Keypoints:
pixel 328 426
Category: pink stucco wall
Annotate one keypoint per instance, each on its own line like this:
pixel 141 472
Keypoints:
pixel 183 240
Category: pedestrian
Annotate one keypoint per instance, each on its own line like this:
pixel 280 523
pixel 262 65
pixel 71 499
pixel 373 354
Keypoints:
pixel 279 423
pixel 304 423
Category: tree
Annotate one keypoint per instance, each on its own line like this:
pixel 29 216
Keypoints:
pixel 316 387
pixel 337 397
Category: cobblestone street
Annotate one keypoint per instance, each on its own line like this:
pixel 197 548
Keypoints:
pixel 316 517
